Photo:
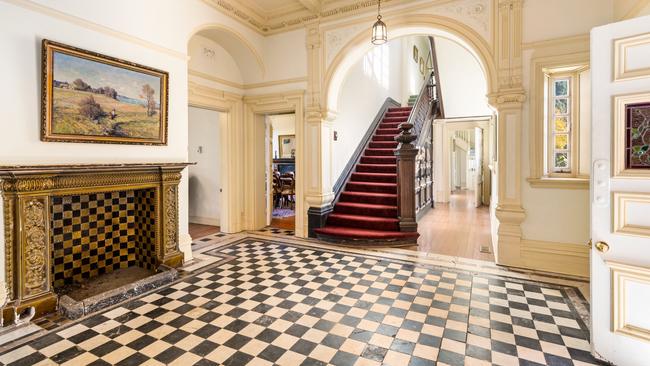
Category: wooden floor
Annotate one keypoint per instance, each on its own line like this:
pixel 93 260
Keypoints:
pixel 456 228
pixel 199 231
pixel 286 223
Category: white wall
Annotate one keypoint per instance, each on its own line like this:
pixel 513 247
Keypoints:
pixel 552 214
pixel 462 81
pixel 283 124
pixel 149 32
pixel 219 64
pixel 365 89
pixel 548 19
pixel 413 79
pixel 205 176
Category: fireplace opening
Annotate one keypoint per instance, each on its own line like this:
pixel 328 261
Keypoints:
pixel 102 241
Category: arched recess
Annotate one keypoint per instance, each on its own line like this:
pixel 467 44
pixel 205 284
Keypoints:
pixel 406 25
pixel 230 105
pixel 242 50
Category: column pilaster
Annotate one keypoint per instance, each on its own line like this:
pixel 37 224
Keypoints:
pixel 508 101
pixel 318 137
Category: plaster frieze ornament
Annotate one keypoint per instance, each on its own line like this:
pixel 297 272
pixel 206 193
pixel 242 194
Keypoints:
pixel 475 13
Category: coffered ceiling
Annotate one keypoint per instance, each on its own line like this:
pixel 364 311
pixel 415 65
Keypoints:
pixel 274 16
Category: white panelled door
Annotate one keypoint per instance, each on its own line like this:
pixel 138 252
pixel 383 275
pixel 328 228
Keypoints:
pixel 620 192
pixel 478 166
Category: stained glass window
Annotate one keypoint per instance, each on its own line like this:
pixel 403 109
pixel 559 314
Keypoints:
pixel 560 125
pixel 638 136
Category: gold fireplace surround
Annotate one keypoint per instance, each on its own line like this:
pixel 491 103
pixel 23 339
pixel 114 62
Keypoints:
pixel 28 191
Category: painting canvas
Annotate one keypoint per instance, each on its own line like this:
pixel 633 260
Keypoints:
pixel 90 97
pixel 287 146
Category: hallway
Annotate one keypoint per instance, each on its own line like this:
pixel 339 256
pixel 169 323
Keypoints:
pixel 456 228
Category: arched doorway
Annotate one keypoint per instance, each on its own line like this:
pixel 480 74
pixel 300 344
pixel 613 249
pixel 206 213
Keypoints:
pixel 480 142
pixel 222 66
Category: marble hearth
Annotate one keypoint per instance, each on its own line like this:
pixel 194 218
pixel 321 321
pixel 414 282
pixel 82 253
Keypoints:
pixel 68 226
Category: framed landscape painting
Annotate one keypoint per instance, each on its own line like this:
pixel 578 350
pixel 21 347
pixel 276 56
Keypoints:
pixel 89 97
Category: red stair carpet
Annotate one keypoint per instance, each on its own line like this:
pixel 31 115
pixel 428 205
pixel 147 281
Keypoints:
pixel 367 207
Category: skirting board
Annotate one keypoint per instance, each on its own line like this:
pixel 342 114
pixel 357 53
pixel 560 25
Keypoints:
pixel 563 258
pixel 185 245
pixel 205 220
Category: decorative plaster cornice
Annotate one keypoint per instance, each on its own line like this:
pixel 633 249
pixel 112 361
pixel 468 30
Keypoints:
pixel 246 86
pixel 278 22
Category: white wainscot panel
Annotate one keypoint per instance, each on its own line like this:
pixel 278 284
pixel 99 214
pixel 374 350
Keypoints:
pixel 631 213
pixel 631 300
pixel 632 57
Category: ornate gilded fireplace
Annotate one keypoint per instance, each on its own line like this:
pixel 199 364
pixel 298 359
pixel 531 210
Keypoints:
pixel 66 223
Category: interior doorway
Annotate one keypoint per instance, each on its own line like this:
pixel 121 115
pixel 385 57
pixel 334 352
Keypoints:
pixel 281 174
pixel 205 203
pixel 467 165
pixel 460 223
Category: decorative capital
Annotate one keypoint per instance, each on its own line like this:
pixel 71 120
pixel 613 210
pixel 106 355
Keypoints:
pixel 171 176
pixel 506 97
pixel 313 36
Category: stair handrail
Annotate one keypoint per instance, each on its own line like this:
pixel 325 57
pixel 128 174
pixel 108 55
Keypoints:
pixel 414 130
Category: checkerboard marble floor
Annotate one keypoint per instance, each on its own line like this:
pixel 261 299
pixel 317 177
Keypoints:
pixel 275 301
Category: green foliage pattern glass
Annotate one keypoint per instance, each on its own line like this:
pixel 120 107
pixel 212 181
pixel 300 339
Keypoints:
pixel 638 136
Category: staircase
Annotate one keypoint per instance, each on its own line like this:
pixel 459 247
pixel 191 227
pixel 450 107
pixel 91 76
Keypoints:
pixel 367 206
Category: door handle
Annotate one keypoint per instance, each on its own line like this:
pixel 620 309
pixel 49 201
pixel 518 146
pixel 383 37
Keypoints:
pixel 602 247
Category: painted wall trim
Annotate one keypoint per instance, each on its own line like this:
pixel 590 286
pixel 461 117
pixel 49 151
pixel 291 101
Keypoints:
pixel 233 84
pixel 557 42
pixel 561 52
pixel 205 220
pixel 564 258
pixel 636 9
pixel 185 245
pixel 30 5
pixel 559 183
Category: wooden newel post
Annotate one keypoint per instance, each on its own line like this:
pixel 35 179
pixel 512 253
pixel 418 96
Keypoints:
pixel 405 154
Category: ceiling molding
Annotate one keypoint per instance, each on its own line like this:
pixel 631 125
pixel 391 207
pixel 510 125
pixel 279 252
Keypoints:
pixel 636 9
pixel 289 18
pixel 245 86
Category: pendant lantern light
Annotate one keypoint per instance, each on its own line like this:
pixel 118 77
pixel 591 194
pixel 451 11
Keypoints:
pixel 379 34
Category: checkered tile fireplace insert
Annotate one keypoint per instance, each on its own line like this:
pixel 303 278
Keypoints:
pixel 98 233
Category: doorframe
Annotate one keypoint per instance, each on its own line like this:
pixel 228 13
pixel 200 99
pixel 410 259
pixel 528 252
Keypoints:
pixel 256 108
pixel 231 132
pixel 446 127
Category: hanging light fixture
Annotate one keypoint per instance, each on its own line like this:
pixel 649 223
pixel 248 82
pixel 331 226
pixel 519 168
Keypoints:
pixel 379 34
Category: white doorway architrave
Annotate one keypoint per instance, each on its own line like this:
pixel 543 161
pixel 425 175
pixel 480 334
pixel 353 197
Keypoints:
pixel 443 131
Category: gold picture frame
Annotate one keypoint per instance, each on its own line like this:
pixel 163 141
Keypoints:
pixel 88 97
pixel 287 146
pixel 422 66
pixel 416 53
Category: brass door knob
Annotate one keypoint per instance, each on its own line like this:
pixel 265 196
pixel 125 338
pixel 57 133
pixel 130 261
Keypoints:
pixel 602 247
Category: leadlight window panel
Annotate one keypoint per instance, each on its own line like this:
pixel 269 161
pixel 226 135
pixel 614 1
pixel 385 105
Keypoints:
pixel 560 125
